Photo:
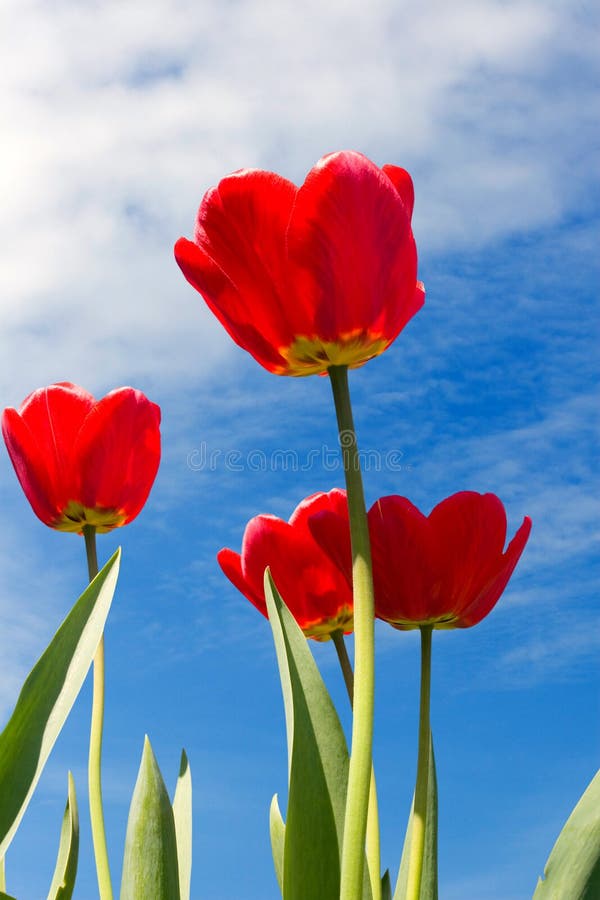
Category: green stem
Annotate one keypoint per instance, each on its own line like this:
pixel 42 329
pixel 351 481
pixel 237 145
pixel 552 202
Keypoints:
pixel 419 820
pixel 95 754
pixel 372 840
pixel 345 665
pixel 359 775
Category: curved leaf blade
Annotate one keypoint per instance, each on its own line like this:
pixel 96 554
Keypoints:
pixel 150 866
pixel 63 882
pixel 386 886
pixel 47 697
pixel 573 868
pixel 182 815
pixel 277 832
pixel 429 881
pixel 318 764
pixel 3 894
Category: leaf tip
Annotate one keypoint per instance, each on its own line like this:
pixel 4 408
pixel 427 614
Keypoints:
pixel 184 763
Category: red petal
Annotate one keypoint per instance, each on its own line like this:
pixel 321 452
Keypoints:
pixel 487 599
pixel 203 274
pixel 334 501
pixel 310 585
pixel 326 518
pixel 30 466
pixel 118 452
pixel 54 416
pixel 397 315
pixel 403 184
pixel 231 564
pixel 239 264
pixel 350 238
pixel 402 552
pixel 469 531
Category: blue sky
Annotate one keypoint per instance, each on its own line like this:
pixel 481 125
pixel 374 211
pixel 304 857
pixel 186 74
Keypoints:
pixel 118 117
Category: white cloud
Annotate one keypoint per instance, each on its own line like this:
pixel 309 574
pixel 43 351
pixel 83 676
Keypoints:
pixel 34 599
pixel 572 649
pixel 118 116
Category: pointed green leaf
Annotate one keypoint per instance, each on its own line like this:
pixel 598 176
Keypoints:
pixel 277 830
pixel 182 815
pixel 3 894
pixel 386 886
pixel 573 868
pixel 47 697
pixel 318 764
pixel 63 881
pixel 150 861
pixel 429 881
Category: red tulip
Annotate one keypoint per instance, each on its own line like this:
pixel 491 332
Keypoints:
pixel 81 461
pixel 317 593
pixel 311 277
pixel 447 569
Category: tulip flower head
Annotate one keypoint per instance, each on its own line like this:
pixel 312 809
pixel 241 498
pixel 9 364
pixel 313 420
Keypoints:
pixel 314 587
pixel 310 277
pixel 448 569
pixel 82 461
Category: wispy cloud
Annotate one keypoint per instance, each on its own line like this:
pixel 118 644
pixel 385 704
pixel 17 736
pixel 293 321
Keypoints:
pixel 34 598
pixel 571 650
pixel 107 152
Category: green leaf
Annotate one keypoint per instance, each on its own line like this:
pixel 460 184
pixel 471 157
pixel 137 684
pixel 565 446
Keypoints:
pixel 573 868
pixel 47 697
pixel 3 895
pixel 63 882
pixel 429 881
pixel 386 886
pixel 150 866
pixel 318 764
pixel 277 830
pixel 182 815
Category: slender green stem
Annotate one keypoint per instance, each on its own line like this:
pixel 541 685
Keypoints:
pixel 89 536
pixel 345 665
pixel 419 821
pixel 95 754
pixel 372 839
pixel 373 848
pixel 359 775
pixel 2 875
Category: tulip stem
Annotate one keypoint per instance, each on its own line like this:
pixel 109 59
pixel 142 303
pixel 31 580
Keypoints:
pixel 95 754
pixel 372 840
pixel 419 818
pixel 359 775
pixel 345 665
